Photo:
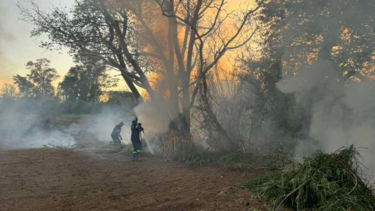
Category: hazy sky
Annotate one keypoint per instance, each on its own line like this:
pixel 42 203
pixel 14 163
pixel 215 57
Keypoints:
pixel 16 46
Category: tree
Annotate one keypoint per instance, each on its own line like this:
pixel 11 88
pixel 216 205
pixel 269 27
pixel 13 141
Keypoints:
pixel 39 82
pixel 320 47
pixel 198 32
pixel 121 98
pixel 42 75
pixel 334 40
pixel 25 87
pixel 337 32
pixel 90 31
pixel 131 35
pixel 86 82
pixel 8 92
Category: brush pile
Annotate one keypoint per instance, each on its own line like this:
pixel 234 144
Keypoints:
pixel 172 141
pixel 327 182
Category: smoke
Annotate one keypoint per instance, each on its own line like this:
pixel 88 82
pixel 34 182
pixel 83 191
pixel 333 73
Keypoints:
pixel 155 119
pixel 342 111
pixel 102 124
pixel 29 123
pixel 26 124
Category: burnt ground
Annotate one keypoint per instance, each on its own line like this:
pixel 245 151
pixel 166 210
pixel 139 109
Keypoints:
pixel 52 179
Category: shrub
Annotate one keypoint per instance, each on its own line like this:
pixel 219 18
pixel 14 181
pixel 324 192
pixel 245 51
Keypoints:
pixel 328 182
pixel 193 156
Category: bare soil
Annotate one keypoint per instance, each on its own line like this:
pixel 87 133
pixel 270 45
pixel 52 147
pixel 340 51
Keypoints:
pixel 52 179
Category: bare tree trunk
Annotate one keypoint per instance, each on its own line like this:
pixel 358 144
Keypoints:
pixel 173 99
pixel 172 79
pixel 129 82
pixel 133 89
pixel 125 50
pixel 228 142
pixel 186 77
pixel 186 103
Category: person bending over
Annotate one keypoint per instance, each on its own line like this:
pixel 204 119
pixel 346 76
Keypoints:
pixel 116 137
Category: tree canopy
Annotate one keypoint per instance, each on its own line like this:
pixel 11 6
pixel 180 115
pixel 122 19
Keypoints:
pixel 39 82
pixel 86 82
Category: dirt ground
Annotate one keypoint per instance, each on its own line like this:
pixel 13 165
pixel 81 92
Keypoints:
pixel 51 179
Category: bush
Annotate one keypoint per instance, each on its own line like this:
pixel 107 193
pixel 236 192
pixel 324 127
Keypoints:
pixel 327 182
pixel 79 107
pixel 193 156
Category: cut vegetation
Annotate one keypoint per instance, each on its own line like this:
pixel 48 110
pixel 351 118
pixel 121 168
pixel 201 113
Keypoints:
pixel 328 182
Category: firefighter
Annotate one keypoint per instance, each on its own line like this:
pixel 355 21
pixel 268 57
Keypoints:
pixel 116 137
pixel 136 129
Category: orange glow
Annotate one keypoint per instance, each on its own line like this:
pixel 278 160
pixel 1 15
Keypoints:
pixel 3 82
pixel 158 26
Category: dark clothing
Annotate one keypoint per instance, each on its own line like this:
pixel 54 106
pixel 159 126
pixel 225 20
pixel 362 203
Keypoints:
pixel 135 137
pixel 116 130
pixel 137 146
pixel 136 131
pixel 116 135
pixel 116 140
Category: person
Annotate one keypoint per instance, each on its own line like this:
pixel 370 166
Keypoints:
pixel 116 136
pixel 136 129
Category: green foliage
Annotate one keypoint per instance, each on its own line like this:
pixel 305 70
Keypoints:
pixel 25 87
pixel 193 156
pixel 121 98
pixel 39 82
pixel 69 119
pixel 86 82
pixel 79 107
pixel 328 182
pixel 337 30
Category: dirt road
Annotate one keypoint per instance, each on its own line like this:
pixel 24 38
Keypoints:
pixel 50 179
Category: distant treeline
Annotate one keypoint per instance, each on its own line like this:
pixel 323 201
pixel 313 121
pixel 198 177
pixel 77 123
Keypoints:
pixel 83 90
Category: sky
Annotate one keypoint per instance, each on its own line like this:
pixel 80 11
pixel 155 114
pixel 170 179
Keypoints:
pixel 16 46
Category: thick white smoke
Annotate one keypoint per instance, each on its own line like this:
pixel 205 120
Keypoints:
pixel 34 124
pixel 29 125
pixel 343 112
pixel 102 124
pixel 155 119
